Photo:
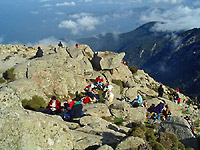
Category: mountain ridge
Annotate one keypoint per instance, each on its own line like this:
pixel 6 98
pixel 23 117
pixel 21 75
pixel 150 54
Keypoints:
pixel 159 53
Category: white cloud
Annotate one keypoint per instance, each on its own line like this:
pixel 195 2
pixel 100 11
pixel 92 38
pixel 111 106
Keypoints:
pixel 34 12
pixel 87 1
pixel 66 4
pixel 88 22
pixel 60 13
pixel 48 41
pixel 168 1
pixel 44 0
pixel 76 16
pixel 82 23
pixel 46 5
pixel 175 19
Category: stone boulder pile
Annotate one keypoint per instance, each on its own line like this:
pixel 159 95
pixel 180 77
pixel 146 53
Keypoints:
pixel 63 74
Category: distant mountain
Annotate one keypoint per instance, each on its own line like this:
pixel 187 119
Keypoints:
pixel 172 58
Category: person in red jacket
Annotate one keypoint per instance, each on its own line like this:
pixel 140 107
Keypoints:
pixel 54 106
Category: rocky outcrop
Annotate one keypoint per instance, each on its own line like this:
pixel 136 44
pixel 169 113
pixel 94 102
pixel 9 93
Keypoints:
pixel 107 60
pixel 23 129
pixel 62 74
pixel 181 129
pixel 131 143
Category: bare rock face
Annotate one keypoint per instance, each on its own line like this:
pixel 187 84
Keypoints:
pixel 61 74
pixel 131 143
pixel 98 109
pixel 107 60
pixel 22 129
pixel 181 129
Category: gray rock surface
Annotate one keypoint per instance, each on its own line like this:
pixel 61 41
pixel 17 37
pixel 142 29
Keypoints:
pixel 130 143
pixel 181 129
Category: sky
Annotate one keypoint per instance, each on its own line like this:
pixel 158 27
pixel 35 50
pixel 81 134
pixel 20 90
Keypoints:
pixel 33 22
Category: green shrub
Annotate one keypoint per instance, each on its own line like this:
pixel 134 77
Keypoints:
pixel 156 145
pixel 2 80
pixel 89 55
pixel 133 69
pixel 181 146
pixel 100 93
pixel 118 121
pixel 119 83
pixel 9 74
pixel 34 104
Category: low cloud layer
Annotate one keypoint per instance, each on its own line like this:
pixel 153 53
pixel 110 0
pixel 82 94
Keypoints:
pixel 175 19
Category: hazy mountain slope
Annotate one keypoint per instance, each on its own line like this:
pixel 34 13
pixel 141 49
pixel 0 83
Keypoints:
pixel 172 58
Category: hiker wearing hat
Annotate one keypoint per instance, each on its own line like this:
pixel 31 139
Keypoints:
pixel 75 112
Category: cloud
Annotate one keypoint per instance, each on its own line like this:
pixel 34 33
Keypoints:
pixel 44 0
pixel 66 4
pixel 48 41
pixel 46 5
pixel 81 23
pixel 34 12
pixel 60 13
pixel 87 1
pixel 168 1
pixel 174 19
pixel 76 16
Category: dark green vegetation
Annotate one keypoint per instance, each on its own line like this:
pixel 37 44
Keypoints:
pixel 115 120
pixel 2 80
pixel 34 104
pixel 133 69
pixel 171 58
pixel 158 141
pixel 119 83
pixel 9 74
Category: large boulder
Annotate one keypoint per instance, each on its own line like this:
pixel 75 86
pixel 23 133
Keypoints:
pixel 180 127
pixel 107 60
pixel 23 129
pixel 110 133
pixel 131 143
pixel 97 109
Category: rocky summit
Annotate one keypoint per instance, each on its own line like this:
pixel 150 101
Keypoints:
pixel 106 125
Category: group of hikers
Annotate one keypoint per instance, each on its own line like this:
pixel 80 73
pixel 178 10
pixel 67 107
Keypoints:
pixel 40 52
pixel 174 96
pixel 72 109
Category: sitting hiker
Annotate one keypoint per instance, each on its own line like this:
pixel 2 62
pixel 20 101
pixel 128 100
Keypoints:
pixel 69 104
pixel 166 112
pixel 89 86
pixel 108 87
pixel 53 106
pixel 93 95
pixel 138 101
pixel 75 112
pixel 150 113
pixel 60 45
pixel 99 82
pixel 39 53
pixel 109 96
pixel 177 98
pixel 158 110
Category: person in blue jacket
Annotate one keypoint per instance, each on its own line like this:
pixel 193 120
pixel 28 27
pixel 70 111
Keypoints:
pixel 158 110
pixel 138 101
